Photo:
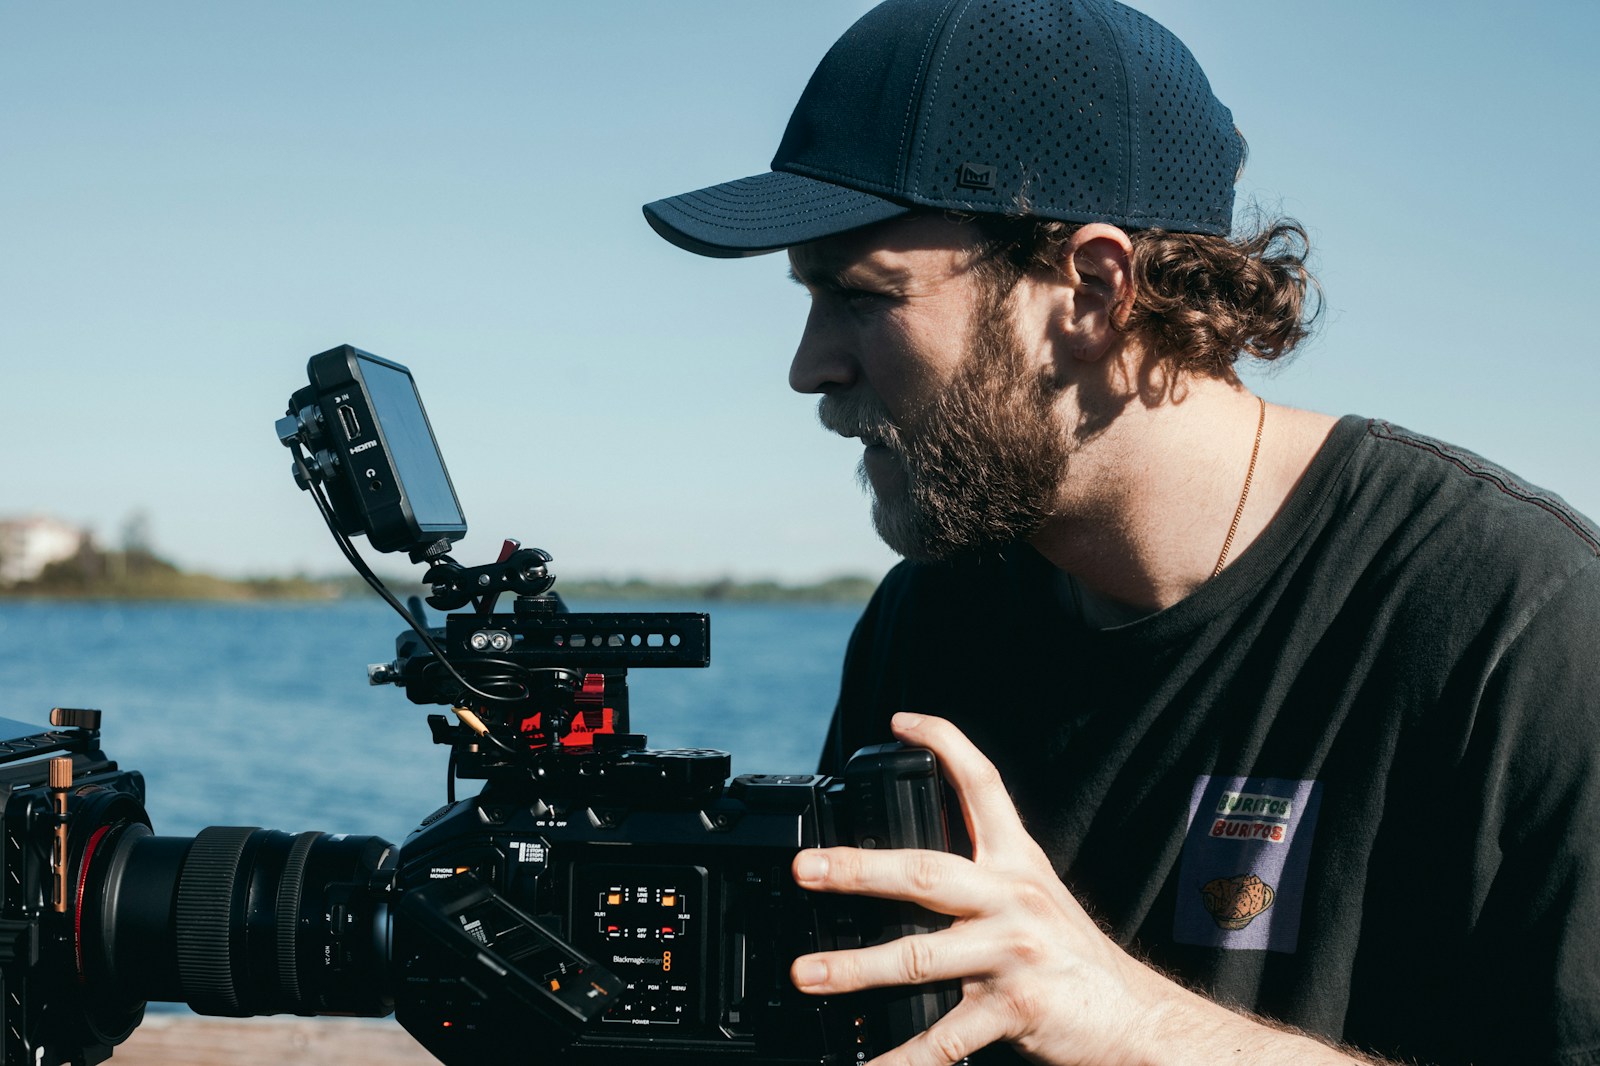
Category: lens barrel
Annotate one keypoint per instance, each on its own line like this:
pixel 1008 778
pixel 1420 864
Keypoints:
pixel 238 920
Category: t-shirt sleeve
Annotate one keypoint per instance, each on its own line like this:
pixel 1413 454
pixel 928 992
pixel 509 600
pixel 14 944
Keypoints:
pixel 1534 955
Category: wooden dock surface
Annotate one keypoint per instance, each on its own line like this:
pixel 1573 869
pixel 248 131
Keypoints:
pixel 182 1040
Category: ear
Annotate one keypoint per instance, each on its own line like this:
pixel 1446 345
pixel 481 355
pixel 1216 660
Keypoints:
pixel 1096 270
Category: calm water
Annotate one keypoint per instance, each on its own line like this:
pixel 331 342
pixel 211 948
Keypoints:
pixel 261 715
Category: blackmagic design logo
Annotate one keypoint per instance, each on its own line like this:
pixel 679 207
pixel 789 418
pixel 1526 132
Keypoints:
pixel 662 961
pixel 976 176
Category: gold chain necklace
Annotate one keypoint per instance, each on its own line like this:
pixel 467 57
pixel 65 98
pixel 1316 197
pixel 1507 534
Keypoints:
pixel 1249 474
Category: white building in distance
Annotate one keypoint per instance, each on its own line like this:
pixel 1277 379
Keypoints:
pixel 28 545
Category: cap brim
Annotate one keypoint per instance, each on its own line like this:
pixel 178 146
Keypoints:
pixel 764 213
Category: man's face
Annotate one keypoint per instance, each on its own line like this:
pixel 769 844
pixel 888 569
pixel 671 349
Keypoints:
pixel 917 355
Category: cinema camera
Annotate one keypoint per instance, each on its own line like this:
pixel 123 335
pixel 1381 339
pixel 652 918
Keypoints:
pixel 596 902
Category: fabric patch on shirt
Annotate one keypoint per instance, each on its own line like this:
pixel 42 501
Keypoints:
pixel 1242 879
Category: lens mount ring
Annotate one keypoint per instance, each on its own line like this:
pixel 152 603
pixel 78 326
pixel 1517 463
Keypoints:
pixel 290 884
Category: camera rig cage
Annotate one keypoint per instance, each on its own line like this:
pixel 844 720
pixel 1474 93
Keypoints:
pixel 541 705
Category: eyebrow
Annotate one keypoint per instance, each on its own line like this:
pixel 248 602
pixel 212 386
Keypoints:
pixel 820 268
pixel 817 279
pixel 836 276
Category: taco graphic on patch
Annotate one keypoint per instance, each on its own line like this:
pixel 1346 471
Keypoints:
pixel 1234 902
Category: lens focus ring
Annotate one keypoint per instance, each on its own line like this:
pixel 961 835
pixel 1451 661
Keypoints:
pixel 288 916
pixel 203 908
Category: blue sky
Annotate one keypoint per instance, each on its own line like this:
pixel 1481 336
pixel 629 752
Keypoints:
pixel 195 197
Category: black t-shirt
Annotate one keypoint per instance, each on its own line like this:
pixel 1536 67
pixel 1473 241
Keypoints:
pixel 1351 783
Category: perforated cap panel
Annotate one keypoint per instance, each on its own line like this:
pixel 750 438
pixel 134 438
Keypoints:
pixel 1029 90
pixel 1188 152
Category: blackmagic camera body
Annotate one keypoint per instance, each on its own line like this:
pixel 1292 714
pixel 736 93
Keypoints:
pixel 596 901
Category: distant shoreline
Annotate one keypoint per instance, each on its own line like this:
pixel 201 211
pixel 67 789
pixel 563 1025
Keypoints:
pixel 206 588
pixel 852 588
pixel 140 575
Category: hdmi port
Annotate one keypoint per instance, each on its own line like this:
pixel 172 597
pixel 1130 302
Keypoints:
pixel 347 419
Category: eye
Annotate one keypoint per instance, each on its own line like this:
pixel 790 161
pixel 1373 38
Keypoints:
pixel 864 299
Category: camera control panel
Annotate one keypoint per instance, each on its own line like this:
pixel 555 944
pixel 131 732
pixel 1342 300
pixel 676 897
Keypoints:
pixel 646 928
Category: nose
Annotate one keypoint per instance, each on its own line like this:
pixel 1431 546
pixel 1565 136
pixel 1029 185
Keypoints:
pixel 822 362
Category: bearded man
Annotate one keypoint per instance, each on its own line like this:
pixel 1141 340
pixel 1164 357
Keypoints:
pixel 1300 709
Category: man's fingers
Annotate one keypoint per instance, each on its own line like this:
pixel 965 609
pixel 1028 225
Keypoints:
pixel 944 883
pixel 919 959
pixel 949 1040
pixel 991 816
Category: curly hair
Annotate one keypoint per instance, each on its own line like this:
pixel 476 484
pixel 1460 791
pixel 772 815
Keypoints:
pixel 1200 302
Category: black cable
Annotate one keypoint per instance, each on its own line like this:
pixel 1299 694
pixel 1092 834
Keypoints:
pixel 523 688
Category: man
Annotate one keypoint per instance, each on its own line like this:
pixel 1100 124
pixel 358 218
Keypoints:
pixel 1300 709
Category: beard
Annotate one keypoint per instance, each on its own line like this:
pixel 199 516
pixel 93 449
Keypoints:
pixel 981 462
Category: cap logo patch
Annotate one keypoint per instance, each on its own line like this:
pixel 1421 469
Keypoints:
pixel 976 176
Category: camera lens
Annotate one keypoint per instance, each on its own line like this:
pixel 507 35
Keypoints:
pixel 237 921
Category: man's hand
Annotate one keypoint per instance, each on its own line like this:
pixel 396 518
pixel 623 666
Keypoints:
pixel 1035 970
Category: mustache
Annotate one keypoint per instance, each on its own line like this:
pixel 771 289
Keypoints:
pixel 860 415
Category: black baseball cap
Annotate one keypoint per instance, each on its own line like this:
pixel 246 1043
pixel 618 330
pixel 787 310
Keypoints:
pixel 1078 110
